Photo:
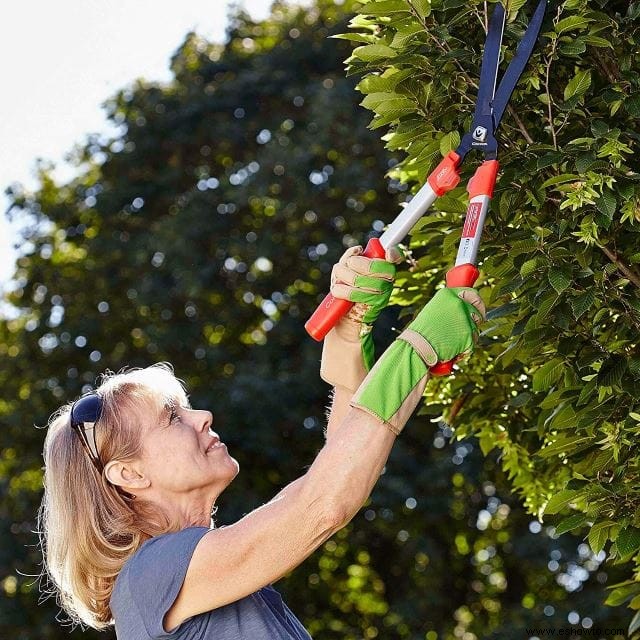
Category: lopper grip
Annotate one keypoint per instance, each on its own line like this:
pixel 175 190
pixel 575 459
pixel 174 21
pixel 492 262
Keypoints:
pixel 331 309
pixel 464 275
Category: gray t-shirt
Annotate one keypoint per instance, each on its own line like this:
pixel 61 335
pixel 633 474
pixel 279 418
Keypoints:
pixel 150 580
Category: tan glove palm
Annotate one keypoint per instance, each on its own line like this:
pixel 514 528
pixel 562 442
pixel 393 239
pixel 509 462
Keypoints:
pixel 348 352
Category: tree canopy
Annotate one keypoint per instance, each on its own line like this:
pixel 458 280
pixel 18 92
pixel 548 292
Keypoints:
pixel 556 385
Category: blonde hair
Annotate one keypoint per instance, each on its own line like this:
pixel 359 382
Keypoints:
pixel 88 528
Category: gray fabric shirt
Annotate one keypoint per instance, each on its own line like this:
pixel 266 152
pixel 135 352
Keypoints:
pixel 148 585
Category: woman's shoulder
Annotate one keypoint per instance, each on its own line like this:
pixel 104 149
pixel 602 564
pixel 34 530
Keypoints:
pixel 158 555
pixel 150 580
pixel 157 567
pixel 183 538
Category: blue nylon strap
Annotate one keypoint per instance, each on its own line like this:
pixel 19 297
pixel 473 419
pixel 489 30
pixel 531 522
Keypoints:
pixel 518 64
pixel 489 69
pixel 491 102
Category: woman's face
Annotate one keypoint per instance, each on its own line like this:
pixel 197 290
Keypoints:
pixel 182 454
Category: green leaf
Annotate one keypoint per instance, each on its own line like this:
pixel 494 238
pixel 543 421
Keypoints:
pixel 387 82
pixel 529 267
pixel 384 7
pixel 599 535
pixel 406 133
pixel 573 22
pixel 596 41
pixel 564 444
pixel 560 278
pixel 571 523
pixel 523 246
pixel 600 128
pixel 502 310
pixel 422 7
pixel 634 625
pixel 549 159
pixel 561 179
pixel 578 85
pixel 384 103
pixel 632 105
pixel 354 37
pixel 449 142
pixel 547 374
pixel 607 203
pixel 628 541
pixel 544 308
pixel 582 303
pixel 623 592
pixel 373 52
pixel 612 370
pixel 560 500
pixel 575 48
pixel 405 31
pixel 563 417
pixel 520 400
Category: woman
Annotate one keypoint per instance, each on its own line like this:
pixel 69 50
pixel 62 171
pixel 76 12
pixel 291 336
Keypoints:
pixel 133 473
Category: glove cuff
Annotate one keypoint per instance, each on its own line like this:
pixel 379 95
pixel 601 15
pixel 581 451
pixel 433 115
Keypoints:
pixel 342 363
pixel 393 388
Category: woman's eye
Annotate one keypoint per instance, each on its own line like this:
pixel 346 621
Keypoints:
pixel 174 416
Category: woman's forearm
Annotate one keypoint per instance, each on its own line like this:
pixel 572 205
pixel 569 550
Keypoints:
pixel 340 397
pixel 350 463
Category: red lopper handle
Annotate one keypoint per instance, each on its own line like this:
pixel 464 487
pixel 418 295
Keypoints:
pixel 331 309
pixel 464 275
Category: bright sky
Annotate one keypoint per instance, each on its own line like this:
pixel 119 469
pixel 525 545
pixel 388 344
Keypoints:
pixel 62 60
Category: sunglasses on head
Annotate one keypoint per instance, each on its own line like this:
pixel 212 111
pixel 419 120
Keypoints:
pixel 85 412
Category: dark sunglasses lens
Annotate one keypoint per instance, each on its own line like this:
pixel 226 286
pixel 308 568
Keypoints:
pixel 87 409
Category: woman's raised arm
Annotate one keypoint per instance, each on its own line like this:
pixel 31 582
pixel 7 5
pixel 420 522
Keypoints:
pixel 234 561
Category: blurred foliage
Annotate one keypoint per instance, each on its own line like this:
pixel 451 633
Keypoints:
pixel 555 387
pixel 203 234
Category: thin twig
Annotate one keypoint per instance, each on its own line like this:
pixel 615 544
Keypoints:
pixel 458 403
pixel 443 46
pixel 483 22
pixel 548 62
pixel 549 101
pixel 612 72
pixel 564 122
pixel 632 276
pixel 520 124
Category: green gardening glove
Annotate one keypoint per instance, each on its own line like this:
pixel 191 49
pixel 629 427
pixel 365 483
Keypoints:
pixel 348 351
pixel 444 330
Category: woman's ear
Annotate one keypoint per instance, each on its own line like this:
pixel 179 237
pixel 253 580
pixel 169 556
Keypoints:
pixel 125 475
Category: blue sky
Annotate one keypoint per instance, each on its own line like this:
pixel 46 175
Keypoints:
pixel 62 60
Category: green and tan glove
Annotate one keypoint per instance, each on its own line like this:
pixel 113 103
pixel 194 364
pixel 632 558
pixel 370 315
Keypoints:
pixel 348 350
pixel 445 329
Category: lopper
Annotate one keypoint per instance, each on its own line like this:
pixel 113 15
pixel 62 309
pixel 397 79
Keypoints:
pixel 490 107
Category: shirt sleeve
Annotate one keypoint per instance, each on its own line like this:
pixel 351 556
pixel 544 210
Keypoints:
pixel 156 573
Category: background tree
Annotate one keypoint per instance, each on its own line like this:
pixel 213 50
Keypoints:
pixel 203 234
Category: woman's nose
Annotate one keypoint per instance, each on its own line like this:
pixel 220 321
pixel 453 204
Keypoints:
pixel 207 420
